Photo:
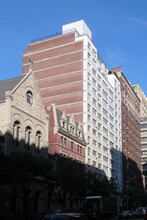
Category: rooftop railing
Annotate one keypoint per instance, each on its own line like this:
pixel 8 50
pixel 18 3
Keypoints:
pixel 54 35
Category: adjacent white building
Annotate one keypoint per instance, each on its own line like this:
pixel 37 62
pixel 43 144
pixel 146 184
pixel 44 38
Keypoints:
pixel 101 109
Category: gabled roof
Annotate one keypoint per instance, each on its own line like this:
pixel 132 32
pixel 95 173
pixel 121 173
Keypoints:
pixel 8 85
pixel 68 119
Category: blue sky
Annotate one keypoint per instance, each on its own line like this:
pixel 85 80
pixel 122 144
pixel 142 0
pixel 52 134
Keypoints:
pixel 119 31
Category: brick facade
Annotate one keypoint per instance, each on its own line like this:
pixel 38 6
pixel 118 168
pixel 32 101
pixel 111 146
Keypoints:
pixel 62 140
pixel 131 140
pixel 58 69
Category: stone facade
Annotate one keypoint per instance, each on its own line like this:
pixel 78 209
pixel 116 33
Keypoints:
pixel 17 115
pixel 23 128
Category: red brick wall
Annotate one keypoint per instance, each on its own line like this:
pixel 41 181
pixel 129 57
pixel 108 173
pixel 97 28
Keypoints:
pixel 63 79
pixel 55 141
pixel 54 42
pixel 62 100
pixel 58 68
pixel 130 135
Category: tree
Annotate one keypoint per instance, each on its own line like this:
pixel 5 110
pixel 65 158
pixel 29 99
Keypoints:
pixel 70 175
pixel 103 187
pixel 23 171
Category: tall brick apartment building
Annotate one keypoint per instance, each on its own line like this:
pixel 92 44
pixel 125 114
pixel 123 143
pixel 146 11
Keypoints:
pixel 71 74
pixel 131 140
pixel 143 123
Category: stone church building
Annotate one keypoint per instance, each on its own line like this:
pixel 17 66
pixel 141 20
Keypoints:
pixel 23 117
pixel 23 128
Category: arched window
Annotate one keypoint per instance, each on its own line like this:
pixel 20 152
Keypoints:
pixel 38 140
pixel 28 136
pixel 16 131
pixel 29 97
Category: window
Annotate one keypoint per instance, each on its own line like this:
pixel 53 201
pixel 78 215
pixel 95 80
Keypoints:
pixel 78 148
pixel 29 97
pixel 89 139
pixel 88 55
pixel 28 131
pixel 89 86
pixel 111 109
pixel 105 86
pixel 105 131
pixel 99 145
pixel 99 97
pixel 105 94
pixel 94 111
pixel 64 142
pixel 89 107
pixel 111 100
pixel 64 124
pixel 80 134
pixel 105 149
pixel 99 155
pixel 105 159
pixel 94 92
pixel 94 122
pixel 72 129
pixel 105 121
pixel 71 145
pixel 94 142
pixel 111 126
pixel 111 92
pixel 99 87
pixel 99 107
pixel 38 139
pixel 61 140
pixel 99 78
pixel 94 163
pixel 94 71
pixel 93 81
pixel 94 132
pixel 88 117
pixel 144 139
pixel 105 104
pixel 99 126
pixel 99 116
pixel 89 76
pixel 94 153
pixel 99 166
pixel 16 131
pixel 111 117
pixel 105 112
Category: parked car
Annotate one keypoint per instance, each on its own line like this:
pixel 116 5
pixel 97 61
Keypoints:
pixel 141 212
pixel 68 216
pixel 46 215
pixel 127 214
